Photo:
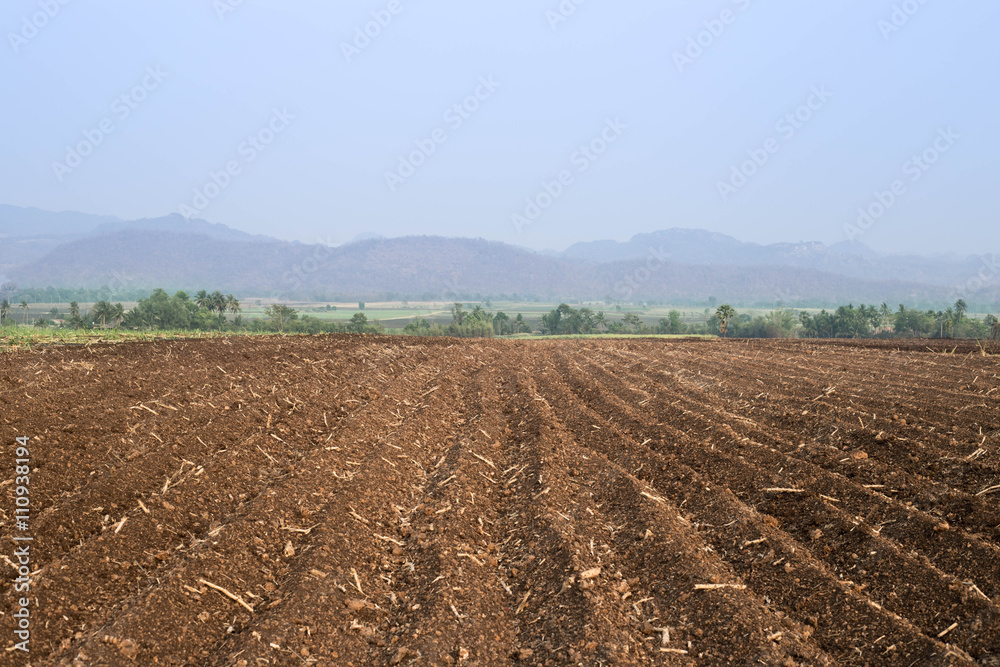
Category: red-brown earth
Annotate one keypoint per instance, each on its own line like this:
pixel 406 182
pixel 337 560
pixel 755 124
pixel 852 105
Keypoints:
pixel 396 501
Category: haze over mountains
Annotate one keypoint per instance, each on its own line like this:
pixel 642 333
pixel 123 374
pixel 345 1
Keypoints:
pixel 40 249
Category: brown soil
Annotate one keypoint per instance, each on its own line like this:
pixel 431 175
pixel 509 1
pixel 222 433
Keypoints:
pixel 388 501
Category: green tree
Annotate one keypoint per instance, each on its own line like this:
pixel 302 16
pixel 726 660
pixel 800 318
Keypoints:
pixel 218 305
pixel 674 324
pixel 24 309
pixel 280 314
pixel 994 322
pixel 202 299
pixel 632 322
pixel 776 324
pixel 724 313
pixel 457 314
pixel 4 310
pixel 885 314
pixel 118 312
pixel 501 324
pixel 160 310
pixel 960 308
pixel 551 321
pixel 233 305
pixel 102 310
pixel 947 319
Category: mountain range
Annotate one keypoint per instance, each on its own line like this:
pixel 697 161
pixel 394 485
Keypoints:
pixel 40 249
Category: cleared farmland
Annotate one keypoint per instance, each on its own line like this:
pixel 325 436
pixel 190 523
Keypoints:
pixel 367 501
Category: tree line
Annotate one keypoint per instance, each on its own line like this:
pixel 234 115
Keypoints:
pixel 865 321
pixel 474 323
pixel 871 321
pixel 218 311
pixel 159 310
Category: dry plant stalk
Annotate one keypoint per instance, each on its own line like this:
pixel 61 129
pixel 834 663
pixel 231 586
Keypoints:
pixel 228 594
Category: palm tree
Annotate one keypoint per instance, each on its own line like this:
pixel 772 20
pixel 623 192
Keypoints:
pixel 24 308
pixel 202 299
pixel 218 304
pixel 102 310
pixel 118 312
pixel 4 310
pixel 233 304
pixel 74 315
pixel 725 313
pixel 960 309
pixel 633 322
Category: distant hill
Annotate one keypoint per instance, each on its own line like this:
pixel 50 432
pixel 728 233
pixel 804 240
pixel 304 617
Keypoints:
pixel 432 268
pixel 28 234
pixel 177 223
pixel 677 265
pixel 848 258
pixel 855 248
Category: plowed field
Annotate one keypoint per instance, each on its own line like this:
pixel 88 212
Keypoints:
pixel 389 501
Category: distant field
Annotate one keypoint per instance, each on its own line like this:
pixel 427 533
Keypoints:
pixel 12 338
pixel 398 314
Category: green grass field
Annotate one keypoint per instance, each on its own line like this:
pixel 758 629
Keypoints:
pixel 17 338
pixel 12 338
pixel 396 315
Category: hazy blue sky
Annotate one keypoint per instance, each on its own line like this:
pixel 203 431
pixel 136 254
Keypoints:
pixel 675 117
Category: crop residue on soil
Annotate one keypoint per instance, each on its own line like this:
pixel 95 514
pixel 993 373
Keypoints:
pixel 388 501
